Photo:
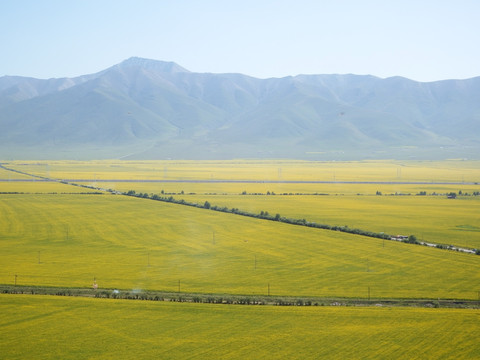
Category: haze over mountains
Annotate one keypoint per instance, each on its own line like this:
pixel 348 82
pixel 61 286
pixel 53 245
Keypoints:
pixel 148 109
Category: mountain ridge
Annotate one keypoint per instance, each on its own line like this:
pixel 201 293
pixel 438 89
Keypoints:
pixel 156 110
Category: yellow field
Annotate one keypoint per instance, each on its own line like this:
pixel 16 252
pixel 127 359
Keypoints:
pixel 71 238
pixel 41 187
pixel 433 219
pixel 10 175
pixel 268 170
pixel 131 243
pixel 225 188
pixel 44 327
pixel 61 235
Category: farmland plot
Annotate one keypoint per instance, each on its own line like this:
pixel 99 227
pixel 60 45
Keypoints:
pixel 261 170
pixel 130 243
pixel 77 328
pixel 430 218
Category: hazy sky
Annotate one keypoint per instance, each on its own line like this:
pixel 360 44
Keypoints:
pixel 423 40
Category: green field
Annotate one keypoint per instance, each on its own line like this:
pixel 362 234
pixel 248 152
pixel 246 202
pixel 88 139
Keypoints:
pixel 45 327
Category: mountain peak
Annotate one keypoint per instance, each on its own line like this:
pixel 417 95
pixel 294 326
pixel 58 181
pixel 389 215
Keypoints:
pixel 162 66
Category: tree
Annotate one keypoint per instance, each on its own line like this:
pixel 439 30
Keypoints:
pixel 206 205
pixel 412 239
pixel 451 195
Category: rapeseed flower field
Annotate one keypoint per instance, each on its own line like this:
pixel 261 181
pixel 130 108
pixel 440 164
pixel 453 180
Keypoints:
pixel 45 327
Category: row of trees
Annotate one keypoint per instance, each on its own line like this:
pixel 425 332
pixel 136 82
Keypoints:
pixel 450 195
pixel 453 195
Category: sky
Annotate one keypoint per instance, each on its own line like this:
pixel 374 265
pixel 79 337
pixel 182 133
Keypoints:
pixel 423 40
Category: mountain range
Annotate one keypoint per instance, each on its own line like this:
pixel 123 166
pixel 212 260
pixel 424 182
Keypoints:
pixel 149 109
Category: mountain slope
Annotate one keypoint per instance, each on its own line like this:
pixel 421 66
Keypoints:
pixel 152 109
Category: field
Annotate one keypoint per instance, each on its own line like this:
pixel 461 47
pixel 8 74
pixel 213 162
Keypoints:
pixel 60 235
pixel 76 328
pixel 454 171
pixel 41 187
pixel 431 218
pixel 131 243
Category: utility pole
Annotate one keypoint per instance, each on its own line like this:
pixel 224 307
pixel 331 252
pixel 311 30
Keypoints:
pixel 15 280
pixel 178 285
